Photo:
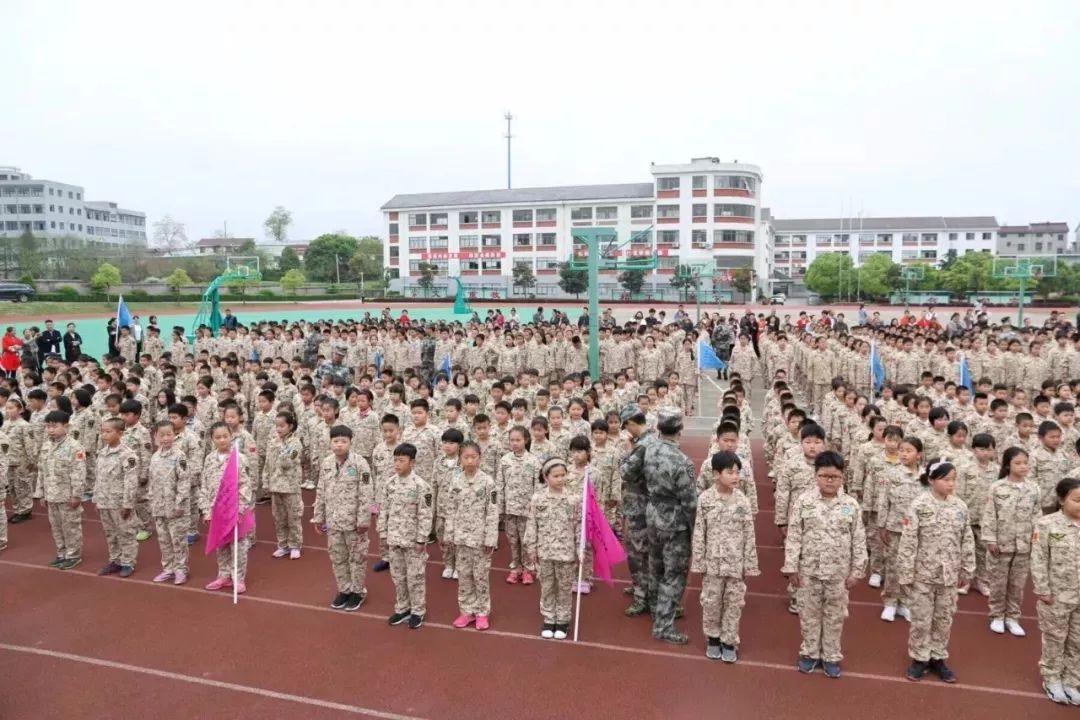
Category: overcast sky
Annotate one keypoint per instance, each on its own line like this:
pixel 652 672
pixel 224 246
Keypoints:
pixel 218 111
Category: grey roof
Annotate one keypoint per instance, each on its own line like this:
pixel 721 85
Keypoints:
pixel 520 196
pixel 872 224
pixel 1047 227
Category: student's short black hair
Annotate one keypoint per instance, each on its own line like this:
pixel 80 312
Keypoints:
pixel 339 431
pixel 1047 426
pixel 983 440
pixel 57 416
pixel 580 442
pixel 725 460
pixel 405 450
pixel 829 459
pixel 1066 486
pixel 178 409
pixel 131 406
pixel 420 403
pixel 390 418
pixel 812 430
pixel 453 435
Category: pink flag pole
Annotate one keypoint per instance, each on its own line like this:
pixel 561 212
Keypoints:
pixel 581 553
pixel 236 534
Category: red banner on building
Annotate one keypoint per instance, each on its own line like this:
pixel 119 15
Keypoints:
pixel 463 255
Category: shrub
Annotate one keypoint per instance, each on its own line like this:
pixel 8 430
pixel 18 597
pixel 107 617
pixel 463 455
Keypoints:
pixel 68 293
pixel 28 280
pixel 140 295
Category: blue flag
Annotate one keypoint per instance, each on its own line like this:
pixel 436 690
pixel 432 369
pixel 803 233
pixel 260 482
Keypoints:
pixel 877 368
pixel 446 368
pixel 965 374
pixel 708 359
pixel 123 316
pixel 378 362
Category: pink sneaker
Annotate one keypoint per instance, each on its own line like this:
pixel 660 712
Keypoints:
pixel 294 554
pixel 514 577
pixel 482 622
pixel 241 588
pixel 527 578
pixel 219 583
pixel 464 620
pixel 180 579
pixel 163 577
pixel 280 552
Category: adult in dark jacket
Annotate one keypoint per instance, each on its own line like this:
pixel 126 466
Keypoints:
pixel 72 344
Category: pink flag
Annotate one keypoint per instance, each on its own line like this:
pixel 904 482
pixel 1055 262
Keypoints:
pixel 226 512
pixel 607 550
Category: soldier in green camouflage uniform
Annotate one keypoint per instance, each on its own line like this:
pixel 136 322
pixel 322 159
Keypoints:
pixel 634 498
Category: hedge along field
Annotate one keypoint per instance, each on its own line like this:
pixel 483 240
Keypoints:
pixel 95 339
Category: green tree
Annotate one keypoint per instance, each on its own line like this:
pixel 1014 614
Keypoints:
pixel 329 254
pixel 684 279
pixel 367 261
pixel 289 260
pixel 427 276
pixel 876 278
pixel 824 274
pixel 972 272
pixel 632 280
pixel 277 224
pixel 178 279
pixel 947 262
pixel 742 279
pixel 29 254
pixel 524 277
pixel 571 281
pixel 292 280
pixel 106 278
pixel 1065 282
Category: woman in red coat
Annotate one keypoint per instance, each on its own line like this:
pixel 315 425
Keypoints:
pixel 12 352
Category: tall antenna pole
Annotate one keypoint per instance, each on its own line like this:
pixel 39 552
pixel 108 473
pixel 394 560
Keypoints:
pixel 508 118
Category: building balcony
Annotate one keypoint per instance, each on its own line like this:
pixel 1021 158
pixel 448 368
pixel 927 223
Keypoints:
pixel 667 194
pixel 582 223
pixel 700 245
pixel 733 246
pixel 641 221
pixel 701 219
pixel 701 193
pixel 414 251
pixel 732 192
pixel 523 248
pixel 420 228
pixel 607 223
pixel 491 225
pixel 542 248
pixel 734 219
pixel 931 243
pixel 468 226
pixel 438 227
pixel 523 223
pixel 546 271
pixel 866 243
pixel 394 238
pixel 394 261
pixel 491 272
pixel 667 221
pixel 545 223
pixel 470 272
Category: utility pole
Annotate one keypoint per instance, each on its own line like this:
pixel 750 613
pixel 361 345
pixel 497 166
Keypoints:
pixel 337 267
pixel 508 117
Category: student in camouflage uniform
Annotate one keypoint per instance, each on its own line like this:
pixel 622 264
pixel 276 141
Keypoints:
pixel 472 531
pixel 5 445
pixel 669 479
pixel 725 553
pixel 22 464
pixel 169 494
pixel 212 469
pixel 551 539
pixel 137 438
pixel 517 476
pixel 1008 521
pixel 405 518
pixel 634 500
pixel 936 555
pixel 282 477
pixel 60 484
pixel 1055 574
pixel 824 556
pixel 382 469
pixel 117 483
pixel 342 510
pixel 84 430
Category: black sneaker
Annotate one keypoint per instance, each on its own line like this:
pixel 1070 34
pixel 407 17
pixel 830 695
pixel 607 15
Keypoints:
pixel 672 637
pixel 355 601
pixel 415 621
pixel 713 650
pixel 340 601
pixel 56 561
pixel 638 607
pixel 70 563
pixel 126 571
pixel 109 569
pixel 916 671
pixel 431 538
pixel 399 617
pixel 381 566
pixel 265 500
pixel 939 668
pixel 548 631
pixel 19 517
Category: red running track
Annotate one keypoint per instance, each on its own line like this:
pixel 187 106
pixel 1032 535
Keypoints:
pixel 73 645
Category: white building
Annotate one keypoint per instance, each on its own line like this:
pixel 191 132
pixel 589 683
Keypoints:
pixel 51 209
pixel 906 240
pixel 705 213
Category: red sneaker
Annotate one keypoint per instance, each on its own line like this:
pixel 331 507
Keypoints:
pixel 527 578
pixel 464 620
pixel 219 583
pixel 514 577
pixel 482 622
pixel 241 588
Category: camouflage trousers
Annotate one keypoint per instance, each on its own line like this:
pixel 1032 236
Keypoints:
pixel 819 391
pixel 288 512
pixel 407 569
pixel 515 535
pixel 637 551
pixel 348 559
pixel 980 553
pixel 669 563
pixel 474 580
pixel 91 471
pixel 823 606
pixel 119 536
pixel 193 514
pixel 722 602
pixel 892 592
pixel 1007 574
pixel 3 521
pixel 21 488
pixel 67 529
pixel 932 609
pixel 447 550
pixel 225 564
pixel 143 520
pixel 556 590
pixel 1060 626
pixel 874 545
pixel 172 543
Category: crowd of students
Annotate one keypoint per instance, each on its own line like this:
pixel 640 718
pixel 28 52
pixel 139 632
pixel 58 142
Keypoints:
pixel 929 487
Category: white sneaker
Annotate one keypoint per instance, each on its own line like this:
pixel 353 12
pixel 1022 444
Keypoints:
pixel 1056 692
pixel 559 634
pixel 1072 694
pixel 1014 628
pixel 447 573
pixel 997 625
pixel 888 614
pixel 875 580
pixel 963 590
pixel 903 612
pixel 547 634
pixel 455 575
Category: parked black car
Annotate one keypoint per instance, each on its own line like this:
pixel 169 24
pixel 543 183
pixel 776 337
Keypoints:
pixel 19 292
